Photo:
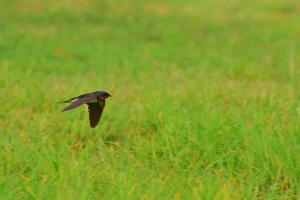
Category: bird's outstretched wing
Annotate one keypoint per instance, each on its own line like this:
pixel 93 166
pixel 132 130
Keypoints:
pixel 95 112
pixel 77 102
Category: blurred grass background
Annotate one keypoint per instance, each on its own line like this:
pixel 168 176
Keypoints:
pixel 205 99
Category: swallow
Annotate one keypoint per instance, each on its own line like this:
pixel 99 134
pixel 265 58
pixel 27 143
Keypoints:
pixel 95 102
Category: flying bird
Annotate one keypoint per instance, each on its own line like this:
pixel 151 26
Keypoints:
pixel 95 102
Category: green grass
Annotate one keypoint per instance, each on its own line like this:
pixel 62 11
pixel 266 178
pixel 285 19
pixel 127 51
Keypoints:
pixel 205 99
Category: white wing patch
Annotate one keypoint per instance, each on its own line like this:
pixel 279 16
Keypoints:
pixel 74 100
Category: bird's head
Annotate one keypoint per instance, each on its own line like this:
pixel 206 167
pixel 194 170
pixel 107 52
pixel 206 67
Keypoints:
pixel 103 95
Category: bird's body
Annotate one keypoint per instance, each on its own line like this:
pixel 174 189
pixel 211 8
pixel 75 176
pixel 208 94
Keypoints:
pixel 95 102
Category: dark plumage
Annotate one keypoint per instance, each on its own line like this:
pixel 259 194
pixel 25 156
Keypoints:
pixel 95 102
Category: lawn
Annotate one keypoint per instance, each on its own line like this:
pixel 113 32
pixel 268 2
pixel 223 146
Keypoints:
pixel 206 99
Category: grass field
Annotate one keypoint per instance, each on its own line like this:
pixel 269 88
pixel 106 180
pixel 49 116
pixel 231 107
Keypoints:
pixel 205 99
